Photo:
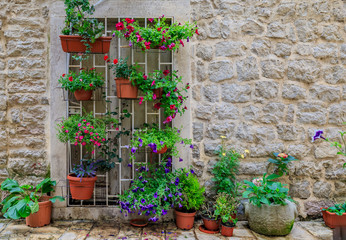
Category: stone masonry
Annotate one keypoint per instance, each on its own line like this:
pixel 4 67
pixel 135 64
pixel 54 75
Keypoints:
pixel 267 74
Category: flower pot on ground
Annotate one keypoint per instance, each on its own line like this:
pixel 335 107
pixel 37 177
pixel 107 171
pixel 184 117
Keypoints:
pixel 75 44
pixel 211 223
pixel 335 216
pixel 225 208
pixel 29 201
pixel 125 89
pixel 82 83
pixel 227 229
pixel 184 220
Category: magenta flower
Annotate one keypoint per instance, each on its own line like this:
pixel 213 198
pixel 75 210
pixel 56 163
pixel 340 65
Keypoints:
pixel 140 100
pixel 150 19
pixel 154 96
pixel 153 83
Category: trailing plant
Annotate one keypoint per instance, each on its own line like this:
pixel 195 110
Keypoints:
pixel 193 193
pixel 120 67
pixel 155 191
pixel 23 200
pixel 85 79
pixel 281 161
pixel 157 139
pixel 78 22
pixel 265 192
pixel 225 208
pixel 157 34
pixel 338 209
pixel 340 146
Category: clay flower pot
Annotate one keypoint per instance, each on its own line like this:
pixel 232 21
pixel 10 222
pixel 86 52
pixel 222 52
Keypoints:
pixel 211 224
pixel 43 216
pixel 139 222
pixel 83 95
pixel 227 230
pixel 333 220
pixel 183 220
pixel 125 89
pixel 81 190
pixel 73 44
pixel 158 92
pixel 163 150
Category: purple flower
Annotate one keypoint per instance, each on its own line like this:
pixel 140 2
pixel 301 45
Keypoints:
pixel 142 201
pixel 129 165
pixel 142 189
pixel 169 164
pixel 140 142
pixel 164 212
pixel 113 34
pixel 155 195
pixel 180 159
pixel 135 190
pixel 170 195
pixel 140 177
pixel 154 219
pixel 318 134
pixel 166 170
pixel 191 146
pixel 162 142
pixel 163 47
pixel 145 181
pixel 130 44
pixel 188 39
pixel 176 181
pixel 192 171
pixel 180 206
pixel 182 142
pixel 165 199
pixel 127 146
pixel 133 150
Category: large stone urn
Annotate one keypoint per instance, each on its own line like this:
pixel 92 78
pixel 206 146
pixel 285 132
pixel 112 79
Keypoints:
pixel 271 220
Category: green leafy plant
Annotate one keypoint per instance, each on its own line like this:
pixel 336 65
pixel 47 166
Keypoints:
pixel 338 209
pixel 208 210
pixel 120 67
pixel 157 139
pixel 23 200
pixel 193 193
pixel 158 34
pixel 85 79
pixel 78 22
pixel 265 192
pixel 226 208
pixel 281 161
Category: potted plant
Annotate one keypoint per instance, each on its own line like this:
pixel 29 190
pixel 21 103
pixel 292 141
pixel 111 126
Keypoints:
pixel 81 33
pixel 192 200
pixel 125 88
pixel 226 208
pixel 82 84
pixel 82 179
pixel 211 221
pixel 157 35
pixel 335 216
pixel 270 211
pixel 159 140
pixel 153 192
pixel 30 202
pixel 165 87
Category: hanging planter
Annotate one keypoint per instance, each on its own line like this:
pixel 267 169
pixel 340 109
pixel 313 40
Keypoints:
pixel 162 150
pixel 81 188
pixel 125 89
pixel 74 44
pixel 83 95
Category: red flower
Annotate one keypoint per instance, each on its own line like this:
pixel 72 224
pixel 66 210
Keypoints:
pixel 185 108
pixel 181 42
pixel 159 28
pixel 115 61
pixel 166 72
pixel 175 89
pixel 129 20
pixel 151 19
pixel 70 78
pixel 157 106
pixel 145 77
pixel 105 57
pixel 64 75
pixel 119 26
pixel 140 100
pixel 91 69
pixel 172 107
pixel 147 45
pixel 196 31
pixel 130 28
pixel 91 85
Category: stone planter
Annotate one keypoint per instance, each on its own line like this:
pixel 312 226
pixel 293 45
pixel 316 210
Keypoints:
pixel 271 220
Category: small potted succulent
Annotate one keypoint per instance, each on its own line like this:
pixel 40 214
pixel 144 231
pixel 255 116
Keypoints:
pixel 30 202
pixel 159 140
pixel 225 208
pixel 192 199
pixel 125 88
pixel 157 35
pixel 82 179
pixel 335 216
pixel 81 33
pixel 82 84
pixel 211 221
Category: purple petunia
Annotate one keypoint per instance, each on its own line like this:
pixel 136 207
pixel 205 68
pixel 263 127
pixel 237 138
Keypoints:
pixel 192 171
pixel 180 159
pixel 155 195
pixel 182 142
pixel 318 134
pixel 129 165
pixel 180 206
pixel 166 170
pixel 164 212
pixel 140 142
pixel 142 189
pixel 170 195
pixel 133 150
pixel 165 198
pixel 176 181
pixel 130 43
pixel 191 146
pixel 142 201
pixel 154 219
pixel 162 142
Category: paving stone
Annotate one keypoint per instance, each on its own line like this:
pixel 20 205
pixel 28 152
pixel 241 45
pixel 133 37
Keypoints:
pixel 318 229
pixel 50 236
pixel 104 231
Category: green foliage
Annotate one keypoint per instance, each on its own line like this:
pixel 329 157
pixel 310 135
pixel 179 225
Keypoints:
pixel 226 208
pixel 157 139
pixel 265 192
pixel 193 193
pixel 86 168
pixel 121 69
pixel 158 34
pixel 208 210
pixel 23 200
pixel 281 161
pixel 339 209
pixel 85 79
pixel 78 22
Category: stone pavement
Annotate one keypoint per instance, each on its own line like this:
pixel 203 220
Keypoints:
pixel 89 230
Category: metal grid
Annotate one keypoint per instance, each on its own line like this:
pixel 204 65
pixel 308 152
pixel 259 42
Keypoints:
pixel 110 184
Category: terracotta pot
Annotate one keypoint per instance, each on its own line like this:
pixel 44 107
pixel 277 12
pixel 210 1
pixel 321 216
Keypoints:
pixel 73 44
pixel 211 224
pixel 43 216
pixel 158 92
pixel 139 222
pixel 332 220
pixel 81 190
pixel 202 228
pixel 83 95
pixel 125 89
pixel 226 230
pixel 184 220
pixel 163 150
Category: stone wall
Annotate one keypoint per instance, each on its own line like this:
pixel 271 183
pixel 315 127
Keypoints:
pixel 266 74
pixel 23 90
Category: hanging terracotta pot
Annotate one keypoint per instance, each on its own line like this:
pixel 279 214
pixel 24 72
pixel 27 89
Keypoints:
pixel 226 230
pixel 83 95
pixel 158 92
pixel 81 189
pixel 163 150
pixel 73 44
pixel 333 220
pixel 211 224
pixel 183 220
pixel 43 216
pixel 125 89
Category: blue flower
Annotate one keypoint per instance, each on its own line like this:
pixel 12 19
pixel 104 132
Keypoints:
pixel 167 189
pixel 129 165
pixel 169 164
pixel 191 146
pixel 164 212
pixel 166 170
pixel 140 142
pixel 130 43
pixel 133 149
pixel 192 171
pixel 155 195
pixel 142 201
pixel 176 181
pixel 180 159
pixel 318 134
